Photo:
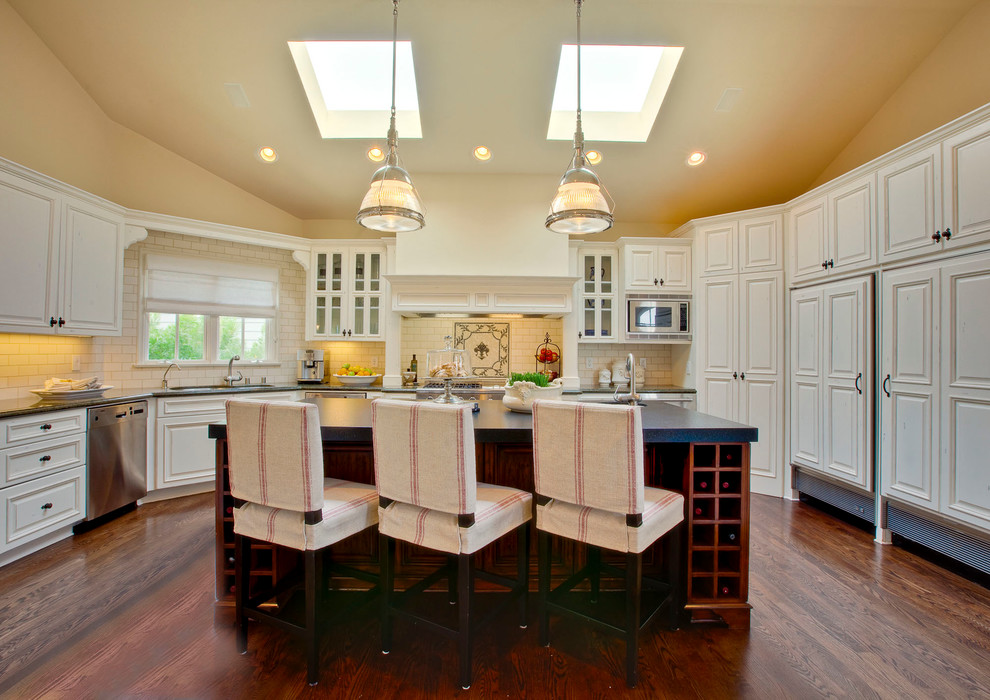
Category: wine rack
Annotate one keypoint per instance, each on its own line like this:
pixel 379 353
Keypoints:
pixel 717 504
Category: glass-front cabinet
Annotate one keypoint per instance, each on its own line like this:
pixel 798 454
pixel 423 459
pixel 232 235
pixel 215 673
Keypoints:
pixel 346 290
pixel 598 297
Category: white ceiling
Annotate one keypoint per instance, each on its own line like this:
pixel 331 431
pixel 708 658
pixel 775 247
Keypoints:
pixel 812 72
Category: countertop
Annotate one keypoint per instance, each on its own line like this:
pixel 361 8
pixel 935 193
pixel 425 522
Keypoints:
pixel 29 405
pixel 349 420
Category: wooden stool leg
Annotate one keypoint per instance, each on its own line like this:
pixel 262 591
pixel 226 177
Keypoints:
pixel 386 549
pixel 672 571
pixel 544 574
pixel 242 578
pixel 594 570
pixel 634 582
pixel 465 588
pixel 452 579
pixel 312 633
pixel 522 577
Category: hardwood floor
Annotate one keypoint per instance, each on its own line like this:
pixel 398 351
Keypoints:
pixel 127 610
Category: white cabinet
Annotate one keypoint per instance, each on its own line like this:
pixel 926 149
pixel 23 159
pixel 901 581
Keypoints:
pixel 346 294
pixel 833 233
pixel 832 380
pixel 741 351
pixel 966 162
pixel 184 452
pixel 62 268
pixel 43 479
pixel 910 206
pixel 657 268
pixel 750 244
pixel 597 295
pixel 936 387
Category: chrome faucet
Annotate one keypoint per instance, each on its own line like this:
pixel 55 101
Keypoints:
pixel 632 397
pixel 165 376
pixel 230 378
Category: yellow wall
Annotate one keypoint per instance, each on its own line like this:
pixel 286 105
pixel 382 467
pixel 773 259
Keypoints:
pixel 50 124
pixel 954 79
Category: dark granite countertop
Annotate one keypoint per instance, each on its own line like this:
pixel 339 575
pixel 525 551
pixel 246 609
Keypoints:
pixel 349 420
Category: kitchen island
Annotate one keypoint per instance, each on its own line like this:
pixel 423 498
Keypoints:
pixel 703 457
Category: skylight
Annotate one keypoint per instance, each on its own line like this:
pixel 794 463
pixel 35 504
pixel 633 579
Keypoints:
pixel 349 86
pixel 622 88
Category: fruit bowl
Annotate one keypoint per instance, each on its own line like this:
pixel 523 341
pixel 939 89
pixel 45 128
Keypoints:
pixel 357 380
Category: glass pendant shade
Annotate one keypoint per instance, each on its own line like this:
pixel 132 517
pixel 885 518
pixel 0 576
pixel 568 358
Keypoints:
pixel 392 203
pixel 580 206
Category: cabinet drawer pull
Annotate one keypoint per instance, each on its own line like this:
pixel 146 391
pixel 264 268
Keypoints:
pixel 47 506
pixel 45 458
pixel 45 426
pixel 858 377
pixel 886 386
pixel 937 236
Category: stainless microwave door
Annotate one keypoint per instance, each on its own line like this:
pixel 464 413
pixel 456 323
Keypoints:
pixel 653 317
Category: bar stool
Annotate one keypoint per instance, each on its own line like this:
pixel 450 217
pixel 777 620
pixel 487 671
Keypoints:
pixel 429 497
pixel 275 460
pixel 588 468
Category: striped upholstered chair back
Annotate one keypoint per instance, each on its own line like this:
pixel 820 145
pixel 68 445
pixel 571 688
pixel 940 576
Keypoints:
pixel 589 454
pixel 275 454
pixel 424 454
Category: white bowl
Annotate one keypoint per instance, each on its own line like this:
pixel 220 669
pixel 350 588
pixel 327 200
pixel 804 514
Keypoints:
pixel 519 397
pixel 356 380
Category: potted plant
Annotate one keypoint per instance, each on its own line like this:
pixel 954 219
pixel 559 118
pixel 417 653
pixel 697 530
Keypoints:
pixel 522 389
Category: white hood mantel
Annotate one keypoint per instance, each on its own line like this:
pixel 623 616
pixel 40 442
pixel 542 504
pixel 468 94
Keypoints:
pixel 531 295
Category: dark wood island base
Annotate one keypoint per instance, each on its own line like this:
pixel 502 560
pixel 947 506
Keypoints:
pixel 705 458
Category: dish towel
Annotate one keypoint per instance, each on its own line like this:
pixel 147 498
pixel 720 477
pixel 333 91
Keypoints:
pixel 56 384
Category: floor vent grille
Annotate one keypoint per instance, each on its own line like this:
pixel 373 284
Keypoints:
pixel 851 502
pixel 937 537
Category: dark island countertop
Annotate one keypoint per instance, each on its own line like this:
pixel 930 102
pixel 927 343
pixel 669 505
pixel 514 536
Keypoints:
pixel 349 420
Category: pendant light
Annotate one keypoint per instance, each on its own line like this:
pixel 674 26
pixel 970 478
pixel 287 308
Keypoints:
pixel 392 203
pixel 582 204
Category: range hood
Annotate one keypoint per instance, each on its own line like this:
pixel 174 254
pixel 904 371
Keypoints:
pixel 504 296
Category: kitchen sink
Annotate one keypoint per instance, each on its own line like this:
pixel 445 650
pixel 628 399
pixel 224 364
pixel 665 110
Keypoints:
pixel 216 387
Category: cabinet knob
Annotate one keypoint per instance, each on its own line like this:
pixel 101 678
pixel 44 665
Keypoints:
pixel 46 506
pixel 656 282
pixel 937 236
pixel 824 264
pixel 947 234
pixel 735 375
pixel 61 321
pixel 52 322
pixel 45 458
pixel 579 335
pixel 742 375
pixel 831 262
pixel 45 426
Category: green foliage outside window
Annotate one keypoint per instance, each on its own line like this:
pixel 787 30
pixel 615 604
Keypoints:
pixel 162 336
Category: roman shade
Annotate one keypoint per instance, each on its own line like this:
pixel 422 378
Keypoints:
pixel 174 284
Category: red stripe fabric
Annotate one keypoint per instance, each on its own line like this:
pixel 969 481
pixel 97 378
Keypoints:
pixel 631 460
pixel 461 487
pixel 536 453
pixel 307 473
pixel 579 455
pixel 262 462
pixel 583 523
pixel 420 526
pixel 414 455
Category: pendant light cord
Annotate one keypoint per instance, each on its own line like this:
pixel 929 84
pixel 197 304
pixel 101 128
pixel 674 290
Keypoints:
pixel 578 63
pixel 395 38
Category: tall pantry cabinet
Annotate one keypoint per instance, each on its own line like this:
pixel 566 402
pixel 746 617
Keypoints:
pixel 739 341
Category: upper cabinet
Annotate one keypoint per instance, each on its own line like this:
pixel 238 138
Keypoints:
pixel 750 244
pixel 598 294
pixel 833 233
pixel 62 268
pixel 346 294
pixel 664 267
pixel 910 206
pixel 966 194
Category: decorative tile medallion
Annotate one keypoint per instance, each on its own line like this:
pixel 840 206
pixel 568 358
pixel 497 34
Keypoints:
pixel 488 346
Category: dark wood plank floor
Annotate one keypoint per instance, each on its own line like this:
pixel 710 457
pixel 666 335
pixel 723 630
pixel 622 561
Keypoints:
pixel 127 610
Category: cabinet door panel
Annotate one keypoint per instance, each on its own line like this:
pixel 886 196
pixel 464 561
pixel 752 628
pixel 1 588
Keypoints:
pixel 760 324
pixel 808 233
pixel 186 454
pixel 641 267
pixel 718 246
pixel 851 212
pixel 910 205
pixel 848 428
pixel 806 378
pixel 92 270
pixel 758 406
pixel 759 244
pixel 720 396
pixel 967 173
pixel 909 430
pixel 29 228
pixel 675 269
pixel 965 330
pixel 720 309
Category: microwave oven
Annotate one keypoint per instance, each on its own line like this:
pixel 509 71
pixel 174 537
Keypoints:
pixel 656 317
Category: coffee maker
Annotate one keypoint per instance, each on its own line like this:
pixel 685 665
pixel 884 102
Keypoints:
pixel 309 366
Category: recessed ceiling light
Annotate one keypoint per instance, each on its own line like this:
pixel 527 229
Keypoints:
pixel 482 153
pixel 267 154
pixel 697 158
pixel 376 154
pixel 593 157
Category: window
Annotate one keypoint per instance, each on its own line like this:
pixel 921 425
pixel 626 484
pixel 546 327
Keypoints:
pixel 207 311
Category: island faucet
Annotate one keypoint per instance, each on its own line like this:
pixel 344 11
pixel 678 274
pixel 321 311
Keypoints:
pixel 632 397
pixel 165 376
pixel 230 378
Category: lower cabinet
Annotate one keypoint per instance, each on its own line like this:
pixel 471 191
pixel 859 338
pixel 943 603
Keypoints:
pixel 43 479
pixel 935 405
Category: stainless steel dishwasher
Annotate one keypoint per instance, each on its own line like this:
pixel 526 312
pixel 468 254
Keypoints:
pixel 117 456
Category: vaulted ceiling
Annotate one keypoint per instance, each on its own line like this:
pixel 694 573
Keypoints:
pixel 812 73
